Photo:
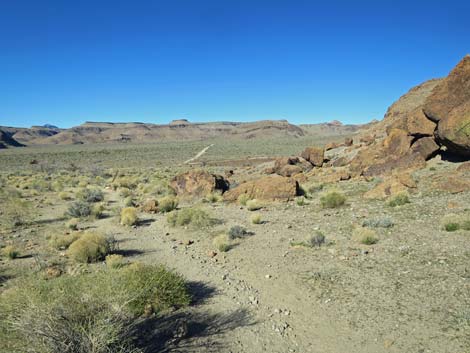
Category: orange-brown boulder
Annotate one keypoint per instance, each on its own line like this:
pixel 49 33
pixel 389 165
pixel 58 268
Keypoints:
pixel 449 106
pixel 290 170
pixel 392 185
pixel 426 147
pixel 314 155
pixel 198 183
pixel 271 187
pixel 415 123
pixel 397 143
pixel 150 206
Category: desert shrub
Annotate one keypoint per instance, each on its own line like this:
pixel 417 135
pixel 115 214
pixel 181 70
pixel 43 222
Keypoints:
pixel 115 261
pixel 365 236
pixel 237 232
pixel 243 199
pixel 79 209
pixel 314 241
pixel 91 195
pixel 398 200
pixel 254 205
pixel 167 204
pixel 91 312
pixel 332 199
pixel 10 252
pixel 62 241
pixel 378 223
pixel 129 202
pixel 452 222
pixel 300 201
pixel 125 192
pixel 190 216
pixel 16 212
pixel 213 197
pixel 256 218
pixel 64 195
pixel 90 247
pixel 222 243
pixel 129 216
pixel 72 224
pixel 97 210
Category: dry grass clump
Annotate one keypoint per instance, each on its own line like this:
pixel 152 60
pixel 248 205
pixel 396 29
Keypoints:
pixel 365 236
pixel 300 201
pixel 99 312
pixel 398 200
pixel 64 196
pixel 167 204
pixel 97 210
pixel 314 241
pixel 90 247
pixel 254 205
pixel 332 199
pixel 213 197
pixel 62 241
pixel 243 199
pixel 129 216
pixel 10 252
pixel 222 243
pixel 16 212
pixel 115 261
pixel 256 218
pixel 190 216
pixel 72 223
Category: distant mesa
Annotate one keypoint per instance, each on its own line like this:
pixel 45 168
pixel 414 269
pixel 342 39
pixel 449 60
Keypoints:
pixel 49 126
pixel 178 122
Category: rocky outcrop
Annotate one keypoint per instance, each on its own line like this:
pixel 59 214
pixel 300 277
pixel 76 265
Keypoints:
pixel 269 188
pixel 449 107
pixel 198 183
pixel 314 155
pixel 7 141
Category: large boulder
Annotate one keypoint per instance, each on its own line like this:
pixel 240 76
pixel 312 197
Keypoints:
pixel 198 183
pixel 414 123
pixel 290 166
pixel 426 147
pixel 449 106
pixel 314 155
pixel 271 187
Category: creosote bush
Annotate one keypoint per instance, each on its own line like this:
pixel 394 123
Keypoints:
pixel 398 200
pixel 90 247
pixel 62 241
pixel 94 312
pixel 129 216
pixel 213 197
pixel 332 199
pixel 190 216
pixel 237 232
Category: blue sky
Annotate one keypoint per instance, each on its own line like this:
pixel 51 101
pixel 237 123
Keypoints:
pixel 65 62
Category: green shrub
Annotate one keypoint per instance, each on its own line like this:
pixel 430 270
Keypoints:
pixel 129 216
pixel 10 251
pixel 91 195
pixel 79 209
pixel 167 204
pixel 398 200
pixel 213 197
pixel 92 312
pixel 190 216
pixel 300 201
pixel 332 199
pixel 90 247
pixel 451 227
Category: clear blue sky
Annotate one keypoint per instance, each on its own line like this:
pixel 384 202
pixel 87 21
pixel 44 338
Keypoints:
pixel 64 62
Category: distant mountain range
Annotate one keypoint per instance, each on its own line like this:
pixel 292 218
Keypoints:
pixel 103 132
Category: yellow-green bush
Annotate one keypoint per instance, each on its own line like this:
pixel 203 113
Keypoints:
pixel 115 261
pixel 10 251
pixel 90 247
pixel 332 199
pixel 190 216
pixel 63 241
pixel 129 216
pixel 243 199
pixel 222 243
pixel 365 236
pixel 167 204
pixel 256 218
pixel 254 205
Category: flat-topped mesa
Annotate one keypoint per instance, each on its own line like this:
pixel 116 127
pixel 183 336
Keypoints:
pixel 179 122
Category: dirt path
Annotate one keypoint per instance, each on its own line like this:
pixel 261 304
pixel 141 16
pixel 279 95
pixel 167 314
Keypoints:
pixel 200 153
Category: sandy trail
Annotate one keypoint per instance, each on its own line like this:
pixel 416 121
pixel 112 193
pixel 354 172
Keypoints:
pixel 200 153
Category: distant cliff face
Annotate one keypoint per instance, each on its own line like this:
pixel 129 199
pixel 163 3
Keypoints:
pixel 6 140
